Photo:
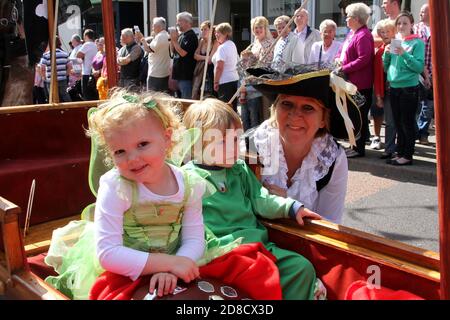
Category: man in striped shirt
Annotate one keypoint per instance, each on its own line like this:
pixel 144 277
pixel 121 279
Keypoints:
pixel 63 67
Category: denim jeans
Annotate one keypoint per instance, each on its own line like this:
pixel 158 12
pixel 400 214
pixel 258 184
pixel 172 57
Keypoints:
pixel 251 113
pixel 390 130
pixel 404 102
pixel 185 87
pixel 426 113
pixel 62 91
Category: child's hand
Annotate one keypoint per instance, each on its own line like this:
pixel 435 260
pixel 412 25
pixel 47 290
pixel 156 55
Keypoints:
pixel 306 213
pixel 164 282
pixel 185 269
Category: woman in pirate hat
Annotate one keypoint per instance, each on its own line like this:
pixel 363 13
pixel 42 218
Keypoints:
pixel 302 160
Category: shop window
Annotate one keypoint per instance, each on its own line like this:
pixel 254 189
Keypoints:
pixel 191 7
pixel 276 8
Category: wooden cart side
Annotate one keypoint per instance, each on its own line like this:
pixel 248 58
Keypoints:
pixel 16 279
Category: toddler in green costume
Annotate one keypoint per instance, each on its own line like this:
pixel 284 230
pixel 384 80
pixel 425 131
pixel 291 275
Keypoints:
pixel 231 213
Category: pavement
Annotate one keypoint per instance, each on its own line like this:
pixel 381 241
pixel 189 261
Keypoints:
pixel 396 202
pixel 423 168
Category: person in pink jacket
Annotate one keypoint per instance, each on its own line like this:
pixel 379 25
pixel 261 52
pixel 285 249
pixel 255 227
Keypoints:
pixel 356 58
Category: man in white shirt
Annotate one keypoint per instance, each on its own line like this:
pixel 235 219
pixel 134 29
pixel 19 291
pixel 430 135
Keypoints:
pixel 391 9
pixel 158 57
pixel 307 35
pixel 75 75
pixel 87 53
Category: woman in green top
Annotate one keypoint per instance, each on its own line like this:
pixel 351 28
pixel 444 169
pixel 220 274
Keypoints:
pixel 403 65
pixel 230 213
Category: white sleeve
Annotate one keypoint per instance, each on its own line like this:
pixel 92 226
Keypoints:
pixel 83 49
pixel 108 222
pixel 192 230
pixel 221 53
pixel 331 203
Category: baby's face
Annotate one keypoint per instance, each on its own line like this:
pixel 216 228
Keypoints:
pixel 222 150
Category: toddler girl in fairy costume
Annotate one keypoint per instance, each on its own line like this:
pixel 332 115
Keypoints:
pixel 148 213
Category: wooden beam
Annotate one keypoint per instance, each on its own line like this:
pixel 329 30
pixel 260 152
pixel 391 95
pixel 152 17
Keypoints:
pixel 440 48
pixel 12 239
pixel 110 42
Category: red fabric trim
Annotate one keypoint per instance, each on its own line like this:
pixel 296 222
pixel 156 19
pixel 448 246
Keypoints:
pixel 378 83
pixel 411 37
pixel 250 268
pixel 360 290
pixel 338 269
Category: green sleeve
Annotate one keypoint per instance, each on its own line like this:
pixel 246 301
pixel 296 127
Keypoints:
pixel 415 61
pixel 386 60
pixel 264 204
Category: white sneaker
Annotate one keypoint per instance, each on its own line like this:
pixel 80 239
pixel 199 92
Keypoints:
pixel 376 143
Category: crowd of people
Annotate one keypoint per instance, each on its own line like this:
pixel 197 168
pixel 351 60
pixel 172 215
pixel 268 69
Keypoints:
pixel 173 60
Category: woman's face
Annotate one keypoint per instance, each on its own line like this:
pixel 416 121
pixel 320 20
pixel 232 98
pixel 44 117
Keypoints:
pixel 259 32
pixel 280 29
pixel 328 34
pixel 387 34
pixel 404 26
pixel 352 22
pixel 205 32
pixel 299 118
pixel 221 38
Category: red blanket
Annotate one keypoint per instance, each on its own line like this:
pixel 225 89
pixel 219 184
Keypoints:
pixel 250 268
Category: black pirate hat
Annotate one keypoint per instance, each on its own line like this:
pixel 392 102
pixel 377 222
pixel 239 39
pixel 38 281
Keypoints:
pixel 334 92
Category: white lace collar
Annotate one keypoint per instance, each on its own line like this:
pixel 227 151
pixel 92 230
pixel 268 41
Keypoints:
pixel 315 166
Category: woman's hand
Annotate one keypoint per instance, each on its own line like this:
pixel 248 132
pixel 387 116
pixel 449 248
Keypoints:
pixel 138 36
pixel 387 49
pixel 276 190
pixel 380 103
pixel 399 51
pixel 184 268
pixel 216 86
pixel 306 213
pixel 164 282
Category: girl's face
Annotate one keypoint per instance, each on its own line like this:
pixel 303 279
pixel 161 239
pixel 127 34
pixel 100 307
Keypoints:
pixel 404 26
pixel 387 34
pixel 299 118
pixel 139 149
pixel 223 150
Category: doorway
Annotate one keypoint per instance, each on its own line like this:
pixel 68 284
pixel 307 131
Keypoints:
pixel 240 21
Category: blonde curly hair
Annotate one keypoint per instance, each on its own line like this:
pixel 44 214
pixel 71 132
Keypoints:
pixel 124 107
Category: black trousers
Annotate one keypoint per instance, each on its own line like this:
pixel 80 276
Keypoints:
pixel 404 103
pixel 361 142
pixel 227 91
